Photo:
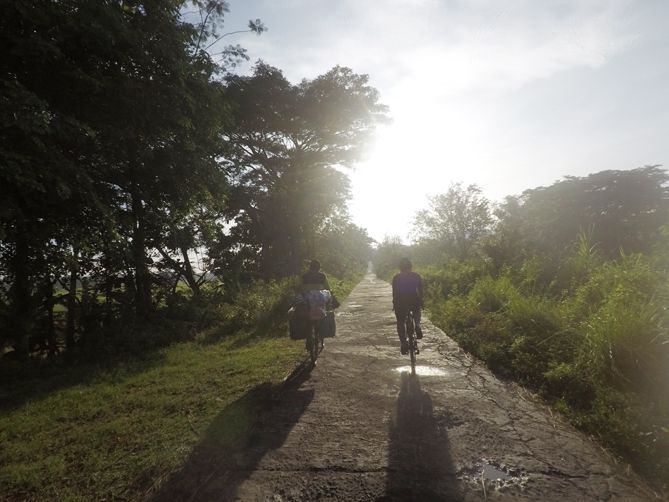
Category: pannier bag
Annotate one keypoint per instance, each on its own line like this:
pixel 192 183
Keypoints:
pixel 298 322
pixel 308 307
pixel 327 326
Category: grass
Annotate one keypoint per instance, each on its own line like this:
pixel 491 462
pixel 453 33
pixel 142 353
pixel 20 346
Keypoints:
pixel 128 427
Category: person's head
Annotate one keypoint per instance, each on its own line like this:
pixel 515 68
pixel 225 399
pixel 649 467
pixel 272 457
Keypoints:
pixel 314 266
pixel 405 265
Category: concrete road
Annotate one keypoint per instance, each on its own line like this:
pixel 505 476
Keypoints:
pixel 359 426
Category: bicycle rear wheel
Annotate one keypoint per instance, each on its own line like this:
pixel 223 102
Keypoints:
pixel 313 343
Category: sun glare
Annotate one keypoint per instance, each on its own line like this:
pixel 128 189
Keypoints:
pixel 419 154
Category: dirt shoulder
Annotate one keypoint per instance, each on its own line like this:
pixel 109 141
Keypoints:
pixel 360 427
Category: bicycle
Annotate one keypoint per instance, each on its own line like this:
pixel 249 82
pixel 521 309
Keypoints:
pixel 412 340
pixel 314 341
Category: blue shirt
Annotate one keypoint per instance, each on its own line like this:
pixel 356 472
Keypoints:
pixel 407 288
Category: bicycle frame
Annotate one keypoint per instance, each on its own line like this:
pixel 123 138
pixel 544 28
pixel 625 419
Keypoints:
pixel 412 341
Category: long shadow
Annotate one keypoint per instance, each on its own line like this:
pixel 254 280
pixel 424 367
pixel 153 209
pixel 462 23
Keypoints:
pixel 35 380
pixel 236 440
pixel 420 464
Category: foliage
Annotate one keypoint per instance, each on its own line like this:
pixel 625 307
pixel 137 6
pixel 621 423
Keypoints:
pixel 618 209
pixel 285 150
pixel 124 177
pixel 131 412
pixel 387 256
pixel 456 220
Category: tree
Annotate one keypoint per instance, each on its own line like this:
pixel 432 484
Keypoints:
pixel 287 146
pixel 387 256
pixel 110 125
pixel 457 219
pixel 620 210
pixel 341 246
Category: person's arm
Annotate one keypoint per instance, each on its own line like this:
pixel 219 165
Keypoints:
pixel 419 290
pixel 394 292
pixel 326 284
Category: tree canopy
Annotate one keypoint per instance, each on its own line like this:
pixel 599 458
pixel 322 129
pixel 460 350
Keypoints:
pixel 456 219
pixel 620 210
pixel 286 150
pixel 127 148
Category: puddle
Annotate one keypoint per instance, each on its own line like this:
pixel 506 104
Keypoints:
pixel 495 475
pixel 492 473
pixel 422 370
pixel 354 306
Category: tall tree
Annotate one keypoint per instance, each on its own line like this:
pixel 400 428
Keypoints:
pixel 286 149
pixel 457 219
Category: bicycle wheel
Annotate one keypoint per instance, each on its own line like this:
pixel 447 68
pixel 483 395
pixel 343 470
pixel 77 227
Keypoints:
pixel 411 340
pixel 313 344
pixel 409 326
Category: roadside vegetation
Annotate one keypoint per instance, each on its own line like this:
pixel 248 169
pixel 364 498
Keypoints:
pixel 565 290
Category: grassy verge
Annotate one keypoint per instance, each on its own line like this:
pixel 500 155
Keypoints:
pixel 119 431
pixel 115 435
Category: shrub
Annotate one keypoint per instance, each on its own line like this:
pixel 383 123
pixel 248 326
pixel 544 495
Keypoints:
pixel 492 295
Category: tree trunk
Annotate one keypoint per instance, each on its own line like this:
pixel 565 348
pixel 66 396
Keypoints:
pixel 189 274
pixel 50 329
pixel 20 295
pixel 142 276
pixel 70 326
pixel 108 292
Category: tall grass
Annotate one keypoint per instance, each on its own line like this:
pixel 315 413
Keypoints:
pixel 591 336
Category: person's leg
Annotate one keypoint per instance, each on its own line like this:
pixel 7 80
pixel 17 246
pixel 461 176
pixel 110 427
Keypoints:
pixel 311 326
pixel 400 314
pixel 317 329
pixel 416 319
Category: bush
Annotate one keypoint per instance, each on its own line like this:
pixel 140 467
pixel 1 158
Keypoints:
pixel 493 295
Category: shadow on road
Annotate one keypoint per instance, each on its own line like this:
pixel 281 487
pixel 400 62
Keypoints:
pixel 419 465
pixel 236 440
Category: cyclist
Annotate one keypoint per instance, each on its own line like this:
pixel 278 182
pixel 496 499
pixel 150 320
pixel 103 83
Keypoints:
pixel 407 296
pixel 313 283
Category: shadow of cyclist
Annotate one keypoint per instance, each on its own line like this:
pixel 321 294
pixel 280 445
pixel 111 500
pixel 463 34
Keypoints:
pixel 236 440
pixel 419 464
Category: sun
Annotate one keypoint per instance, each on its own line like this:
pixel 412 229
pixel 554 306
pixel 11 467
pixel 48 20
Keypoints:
pixel 417 155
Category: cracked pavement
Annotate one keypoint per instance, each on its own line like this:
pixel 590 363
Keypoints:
pixel 358 427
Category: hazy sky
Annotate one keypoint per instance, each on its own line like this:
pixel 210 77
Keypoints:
pixel 508 94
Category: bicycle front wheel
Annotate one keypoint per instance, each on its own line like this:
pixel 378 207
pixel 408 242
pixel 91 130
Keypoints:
pixel 412 353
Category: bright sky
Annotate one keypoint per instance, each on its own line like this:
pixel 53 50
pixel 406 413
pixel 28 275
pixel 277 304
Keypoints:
pixel 509 94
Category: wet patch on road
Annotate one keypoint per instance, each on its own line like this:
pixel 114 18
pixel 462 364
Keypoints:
pixel 488 474
pixel 423 370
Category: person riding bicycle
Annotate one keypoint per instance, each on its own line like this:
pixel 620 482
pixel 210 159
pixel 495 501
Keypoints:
pixel 314 278
pixel 317 293
pixel 407 296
